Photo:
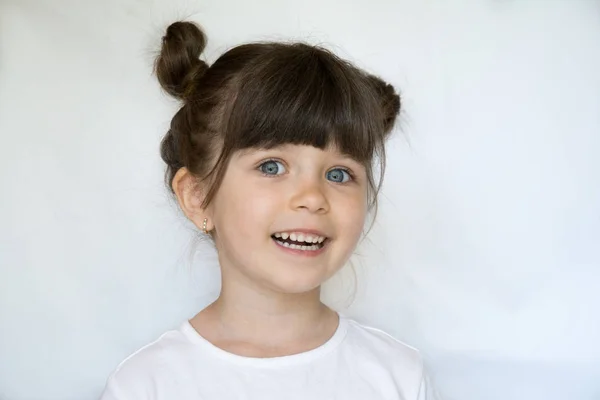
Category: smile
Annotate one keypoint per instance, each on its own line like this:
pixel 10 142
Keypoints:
pixel 300 243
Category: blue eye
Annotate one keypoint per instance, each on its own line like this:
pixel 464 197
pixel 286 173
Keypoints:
pixel 339 175
pixel 272 167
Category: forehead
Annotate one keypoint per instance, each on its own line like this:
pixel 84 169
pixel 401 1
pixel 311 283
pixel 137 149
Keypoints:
pixel 313 98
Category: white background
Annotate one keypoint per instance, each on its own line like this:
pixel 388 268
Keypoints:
pixel 486 253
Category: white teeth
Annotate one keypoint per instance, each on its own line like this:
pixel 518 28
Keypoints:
pixel 300 237
pixel 298 247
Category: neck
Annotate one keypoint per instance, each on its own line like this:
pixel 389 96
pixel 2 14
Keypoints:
pixel 249 314
pixel 248 319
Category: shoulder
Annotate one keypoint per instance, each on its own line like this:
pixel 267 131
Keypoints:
pixel 154 364
pixel 381 350
pixel 382 343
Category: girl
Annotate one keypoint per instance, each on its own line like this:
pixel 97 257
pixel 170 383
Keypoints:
pixel 271 157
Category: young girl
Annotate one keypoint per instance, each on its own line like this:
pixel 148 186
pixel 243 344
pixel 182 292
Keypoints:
pixel 271 157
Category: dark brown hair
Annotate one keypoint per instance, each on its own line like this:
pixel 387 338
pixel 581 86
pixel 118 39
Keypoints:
pixel 262 95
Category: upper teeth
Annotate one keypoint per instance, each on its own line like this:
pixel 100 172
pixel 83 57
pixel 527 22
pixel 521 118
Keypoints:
pixel 300 237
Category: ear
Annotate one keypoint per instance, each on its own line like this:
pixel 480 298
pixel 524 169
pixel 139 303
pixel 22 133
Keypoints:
pixel 190 195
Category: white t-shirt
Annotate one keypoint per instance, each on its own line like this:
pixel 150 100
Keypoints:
pixel 357 362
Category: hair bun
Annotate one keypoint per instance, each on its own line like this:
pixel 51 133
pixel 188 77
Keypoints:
pixel 178 67
pixel 389 100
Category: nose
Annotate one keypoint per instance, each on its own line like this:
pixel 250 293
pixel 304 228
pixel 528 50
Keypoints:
pixel 309 195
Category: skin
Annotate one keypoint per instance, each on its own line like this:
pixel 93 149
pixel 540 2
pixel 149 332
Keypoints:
pixel 269 303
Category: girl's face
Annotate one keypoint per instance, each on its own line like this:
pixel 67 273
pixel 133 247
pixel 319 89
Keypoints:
pixel 317 198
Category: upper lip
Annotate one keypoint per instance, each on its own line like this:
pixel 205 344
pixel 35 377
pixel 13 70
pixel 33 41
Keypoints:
pixel 313 232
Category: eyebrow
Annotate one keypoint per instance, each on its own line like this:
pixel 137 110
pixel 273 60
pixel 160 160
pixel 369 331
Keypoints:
pixel 347 157
pixel 248 151
pixel 251 150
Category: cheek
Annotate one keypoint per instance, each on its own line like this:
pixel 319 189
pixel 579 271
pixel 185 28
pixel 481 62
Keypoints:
pixel 351 216
pixel 245 207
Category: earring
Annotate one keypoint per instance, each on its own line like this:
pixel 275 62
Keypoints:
pixel 204 226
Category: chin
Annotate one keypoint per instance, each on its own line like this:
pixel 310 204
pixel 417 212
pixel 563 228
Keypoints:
pixel 294 284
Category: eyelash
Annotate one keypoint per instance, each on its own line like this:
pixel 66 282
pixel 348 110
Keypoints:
pixel 263 162
pixel 347 170
pixel 352 176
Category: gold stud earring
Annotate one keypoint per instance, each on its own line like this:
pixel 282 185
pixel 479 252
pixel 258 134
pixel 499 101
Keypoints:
pixel 204 226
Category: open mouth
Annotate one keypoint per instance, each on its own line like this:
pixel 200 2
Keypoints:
pixel 300 241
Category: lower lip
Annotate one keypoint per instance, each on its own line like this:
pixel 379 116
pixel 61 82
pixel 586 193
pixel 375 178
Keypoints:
pixel 304 253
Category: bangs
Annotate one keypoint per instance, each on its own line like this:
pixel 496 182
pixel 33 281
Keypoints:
pixel 304 95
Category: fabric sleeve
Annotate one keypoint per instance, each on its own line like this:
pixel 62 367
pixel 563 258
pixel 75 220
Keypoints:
pixel 124 387
pixel 427 390
pixel 111 391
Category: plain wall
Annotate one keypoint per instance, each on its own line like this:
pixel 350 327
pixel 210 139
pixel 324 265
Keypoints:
pixel 486 251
